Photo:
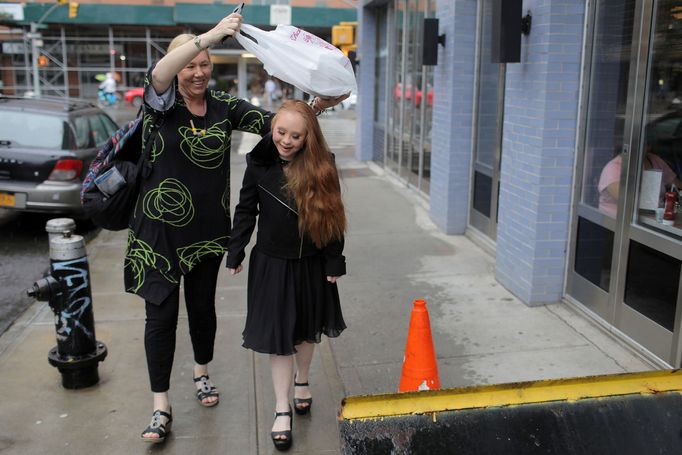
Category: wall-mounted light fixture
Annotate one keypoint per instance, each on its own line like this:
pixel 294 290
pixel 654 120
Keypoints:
pixel 526 22
pixel 506 39
pixel 431 41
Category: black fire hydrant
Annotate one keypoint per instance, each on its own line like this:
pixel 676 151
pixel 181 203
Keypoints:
pixel 67 290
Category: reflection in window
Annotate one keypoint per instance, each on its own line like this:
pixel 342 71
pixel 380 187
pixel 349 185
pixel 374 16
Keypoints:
pixel 662 137
pixel 652 284
pixel 610 69
pixel 411 95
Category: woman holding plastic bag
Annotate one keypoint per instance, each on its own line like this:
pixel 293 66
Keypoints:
pixel 181 222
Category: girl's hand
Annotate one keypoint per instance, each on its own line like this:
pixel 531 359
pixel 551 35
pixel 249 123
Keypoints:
pixel 319 104
pixel 228 26
pixel 235 270
pixel 332 279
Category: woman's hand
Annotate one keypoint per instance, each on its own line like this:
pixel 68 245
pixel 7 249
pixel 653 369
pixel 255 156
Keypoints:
pixel 332 279
pixel 235 270
pixel 319 104
pixel 228 26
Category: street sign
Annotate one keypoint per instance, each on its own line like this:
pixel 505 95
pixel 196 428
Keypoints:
pixel 34 35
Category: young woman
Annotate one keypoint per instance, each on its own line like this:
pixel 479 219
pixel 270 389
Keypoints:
pixel 292 186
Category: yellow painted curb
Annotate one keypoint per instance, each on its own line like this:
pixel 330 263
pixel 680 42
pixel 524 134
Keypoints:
pixel 570 389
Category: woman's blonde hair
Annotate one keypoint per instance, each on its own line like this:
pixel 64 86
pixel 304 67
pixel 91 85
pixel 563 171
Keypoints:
pixel 313 182
pixel 181 39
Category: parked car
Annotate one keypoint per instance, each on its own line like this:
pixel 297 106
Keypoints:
pixel 46 146
pixel 134 96
pixel 664 138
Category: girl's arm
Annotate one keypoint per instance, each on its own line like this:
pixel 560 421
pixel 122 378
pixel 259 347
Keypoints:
pixel 244 219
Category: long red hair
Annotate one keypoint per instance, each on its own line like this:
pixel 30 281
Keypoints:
pixel 313 182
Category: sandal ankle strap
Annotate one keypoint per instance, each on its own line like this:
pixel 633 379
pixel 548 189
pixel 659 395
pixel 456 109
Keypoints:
pixel 301 384
pixel 283 414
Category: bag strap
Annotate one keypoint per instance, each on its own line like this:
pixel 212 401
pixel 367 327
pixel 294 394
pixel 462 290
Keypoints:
pixel 144 166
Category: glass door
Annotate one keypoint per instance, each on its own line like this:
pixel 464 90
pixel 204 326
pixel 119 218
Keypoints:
pixel 608 70
pixel 487 143
pixel 626 256
pixel 649 299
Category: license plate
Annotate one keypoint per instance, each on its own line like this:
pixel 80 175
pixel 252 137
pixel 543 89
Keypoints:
pixel 7 200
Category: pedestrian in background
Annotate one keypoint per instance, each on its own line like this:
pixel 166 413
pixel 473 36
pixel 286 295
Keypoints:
pixel 270 89
pixel 107 89
pixel 292 186
pixel 181 222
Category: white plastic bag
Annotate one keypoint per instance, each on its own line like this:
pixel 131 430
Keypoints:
pixel 300 58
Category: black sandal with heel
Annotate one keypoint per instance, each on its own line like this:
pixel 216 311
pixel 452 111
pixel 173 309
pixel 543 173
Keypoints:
pixel 206 390
pixel 283 444
pixel 302 410
pixel 156 427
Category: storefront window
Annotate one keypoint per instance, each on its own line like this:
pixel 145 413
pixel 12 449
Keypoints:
pixel 395 117
pixel 380 67
pixel 608 89
pixel 411 95
pixel 661 153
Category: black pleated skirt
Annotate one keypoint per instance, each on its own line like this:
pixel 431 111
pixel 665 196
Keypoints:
pixel 289 301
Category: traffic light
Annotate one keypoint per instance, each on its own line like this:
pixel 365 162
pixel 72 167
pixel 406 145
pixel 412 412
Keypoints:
pixel 343 36
pixel 73 10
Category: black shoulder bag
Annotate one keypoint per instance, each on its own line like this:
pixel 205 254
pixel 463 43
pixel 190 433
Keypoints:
pixel 112 184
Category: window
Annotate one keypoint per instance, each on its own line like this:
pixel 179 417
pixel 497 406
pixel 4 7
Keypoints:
pixel 609 76
pixel 25 129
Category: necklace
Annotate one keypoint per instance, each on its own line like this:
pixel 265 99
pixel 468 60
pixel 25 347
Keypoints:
pixel 196 132
pixel 283 162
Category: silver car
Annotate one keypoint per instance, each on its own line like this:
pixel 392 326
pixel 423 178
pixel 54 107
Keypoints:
pixel 46 146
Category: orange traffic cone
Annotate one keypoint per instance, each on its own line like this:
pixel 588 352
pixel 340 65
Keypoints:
pixel 420 371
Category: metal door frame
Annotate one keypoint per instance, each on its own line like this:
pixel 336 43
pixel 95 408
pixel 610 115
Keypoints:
pixel 486 225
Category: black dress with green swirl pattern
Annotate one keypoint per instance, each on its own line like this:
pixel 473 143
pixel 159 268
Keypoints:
pixel 182 215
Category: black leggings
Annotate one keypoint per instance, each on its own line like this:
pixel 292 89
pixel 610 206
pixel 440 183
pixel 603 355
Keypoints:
pixel 162 321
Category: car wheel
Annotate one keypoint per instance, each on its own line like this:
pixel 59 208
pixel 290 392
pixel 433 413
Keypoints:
pixel 137 101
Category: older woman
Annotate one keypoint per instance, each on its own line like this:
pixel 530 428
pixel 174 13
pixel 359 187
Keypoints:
pixel 181 223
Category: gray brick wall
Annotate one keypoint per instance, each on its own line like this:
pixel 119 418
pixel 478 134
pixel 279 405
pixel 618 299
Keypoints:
pixel 452 115
pixel 538 152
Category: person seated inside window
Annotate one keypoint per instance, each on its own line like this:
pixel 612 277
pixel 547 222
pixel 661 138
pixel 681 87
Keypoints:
pixel 609 180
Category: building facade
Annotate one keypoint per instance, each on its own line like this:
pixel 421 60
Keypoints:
pixel 560 164
pixel 76 43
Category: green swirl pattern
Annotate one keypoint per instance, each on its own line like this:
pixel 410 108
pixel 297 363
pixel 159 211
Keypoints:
pixel 252 122
pixel 158 146
pixel 140 255
pixel 196 150
pixel 170 202
pixel 191 255
pixel 225 98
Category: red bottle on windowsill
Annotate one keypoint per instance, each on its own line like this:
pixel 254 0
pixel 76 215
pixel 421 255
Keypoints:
pixel 669 213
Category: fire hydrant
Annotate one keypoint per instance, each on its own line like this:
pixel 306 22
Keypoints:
pixel 67 290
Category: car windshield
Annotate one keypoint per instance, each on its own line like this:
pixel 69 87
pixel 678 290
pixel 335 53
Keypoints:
pixel 29 129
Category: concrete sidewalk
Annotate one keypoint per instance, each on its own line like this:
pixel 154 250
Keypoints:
pixel 482 335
